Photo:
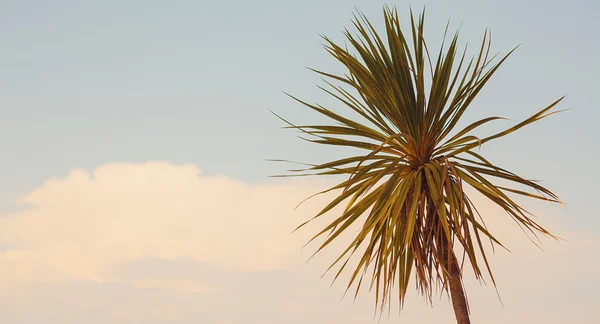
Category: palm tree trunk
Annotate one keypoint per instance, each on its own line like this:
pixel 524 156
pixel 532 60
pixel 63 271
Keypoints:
pixel 457 293
pixel 459 300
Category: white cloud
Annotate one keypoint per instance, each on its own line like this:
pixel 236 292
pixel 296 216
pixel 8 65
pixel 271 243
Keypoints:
pixel 96 230
pixel 82 224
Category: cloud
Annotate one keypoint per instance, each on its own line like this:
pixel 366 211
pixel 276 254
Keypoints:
pixel 158 242
pixel 84 223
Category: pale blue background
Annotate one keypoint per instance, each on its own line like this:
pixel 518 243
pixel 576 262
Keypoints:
pixel 88 83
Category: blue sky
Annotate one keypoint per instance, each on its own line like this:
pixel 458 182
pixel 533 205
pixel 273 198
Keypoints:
pixel 87 84
pixel 192 81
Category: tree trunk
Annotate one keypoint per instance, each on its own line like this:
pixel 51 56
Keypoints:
pixel 457 293
pixel 459 300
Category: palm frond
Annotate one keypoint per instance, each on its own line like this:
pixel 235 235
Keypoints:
pixel 409 186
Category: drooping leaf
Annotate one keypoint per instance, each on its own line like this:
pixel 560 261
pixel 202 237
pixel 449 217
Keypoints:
pixel 408 188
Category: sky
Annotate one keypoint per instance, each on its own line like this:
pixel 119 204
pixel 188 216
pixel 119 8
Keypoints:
pixel 134 182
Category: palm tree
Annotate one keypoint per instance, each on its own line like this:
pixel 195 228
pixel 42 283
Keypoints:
pixel 409 185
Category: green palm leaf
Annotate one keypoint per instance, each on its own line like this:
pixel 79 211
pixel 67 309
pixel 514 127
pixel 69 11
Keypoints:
pixel 409 186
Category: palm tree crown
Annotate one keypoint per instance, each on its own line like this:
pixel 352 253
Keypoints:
pixel 408 187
